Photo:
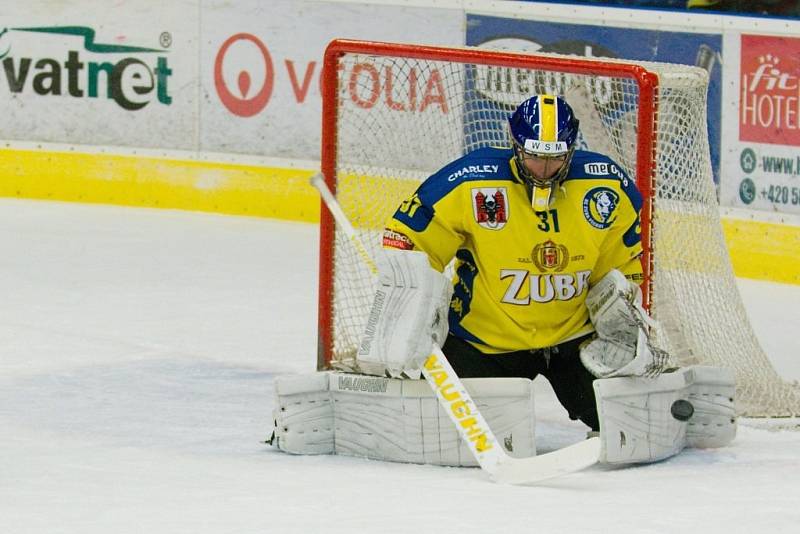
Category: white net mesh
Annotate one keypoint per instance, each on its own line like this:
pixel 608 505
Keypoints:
pixel 399 119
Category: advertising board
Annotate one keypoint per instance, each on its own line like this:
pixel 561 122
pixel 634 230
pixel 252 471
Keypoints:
pixel 701 49
pixel 83 74
pixel 762 124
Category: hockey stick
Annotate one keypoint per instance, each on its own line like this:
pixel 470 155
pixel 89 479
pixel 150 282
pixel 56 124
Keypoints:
pixel 461 408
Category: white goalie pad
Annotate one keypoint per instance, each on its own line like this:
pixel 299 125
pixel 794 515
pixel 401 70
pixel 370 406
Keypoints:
pixel 303 414
pixel 394 419
pixel 646 420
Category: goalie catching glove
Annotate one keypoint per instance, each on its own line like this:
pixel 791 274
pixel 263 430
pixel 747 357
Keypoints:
pixel 409 313
pixel 622 346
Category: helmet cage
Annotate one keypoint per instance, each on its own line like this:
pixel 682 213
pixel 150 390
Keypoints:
pixel 543 127
pixel 562 158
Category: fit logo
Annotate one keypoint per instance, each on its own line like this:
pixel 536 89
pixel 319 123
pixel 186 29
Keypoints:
pixel 526 287
pixel 768 102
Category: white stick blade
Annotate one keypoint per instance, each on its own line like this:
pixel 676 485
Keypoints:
pixel 524 471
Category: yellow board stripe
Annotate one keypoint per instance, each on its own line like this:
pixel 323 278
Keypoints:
pixel 160 183
pixel 760 250
pixel 764 251
pixel 547 118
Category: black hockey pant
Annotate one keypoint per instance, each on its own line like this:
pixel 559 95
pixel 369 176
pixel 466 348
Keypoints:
pixel 560 365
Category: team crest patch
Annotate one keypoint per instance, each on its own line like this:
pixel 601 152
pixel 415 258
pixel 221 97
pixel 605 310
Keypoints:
pixel 490 207
pixel 599 205
pixel 549 256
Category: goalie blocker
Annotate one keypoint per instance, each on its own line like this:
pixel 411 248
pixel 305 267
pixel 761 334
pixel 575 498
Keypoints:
pixel 641 419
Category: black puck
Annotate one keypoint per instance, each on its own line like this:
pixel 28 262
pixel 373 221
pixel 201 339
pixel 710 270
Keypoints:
pixel 682 410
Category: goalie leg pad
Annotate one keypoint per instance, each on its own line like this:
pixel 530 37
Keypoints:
pixel 400 420
pixel 646 420
pixel 713 423
pixel 303 414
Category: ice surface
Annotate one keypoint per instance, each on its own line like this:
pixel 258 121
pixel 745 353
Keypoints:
pixel 137 352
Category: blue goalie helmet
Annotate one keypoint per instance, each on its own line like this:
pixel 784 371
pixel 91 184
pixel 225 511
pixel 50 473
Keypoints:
pixel 543 132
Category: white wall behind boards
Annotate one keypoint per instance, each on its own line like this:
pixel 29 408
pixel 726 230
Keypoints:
pixel 241 77
pixel 285 121
pixel 217 76
pixel 99 73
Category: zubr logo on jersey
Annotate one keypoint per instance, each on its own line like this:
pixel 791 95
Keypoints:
pixel 549 256
pixel 526 287
pixel 134 76
pixel 247 100
pixel 769 105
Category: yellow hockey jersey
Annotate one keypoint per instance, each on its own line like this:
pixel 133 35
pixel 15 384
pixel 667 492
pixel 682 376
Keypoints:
pixel 522 276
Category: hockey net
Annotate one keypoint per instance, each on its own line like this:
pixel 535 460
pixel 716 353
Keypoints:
pixel 394 114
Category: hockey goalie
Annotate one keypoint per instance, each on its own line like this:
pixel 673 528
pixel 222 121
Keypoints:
pixel 547 265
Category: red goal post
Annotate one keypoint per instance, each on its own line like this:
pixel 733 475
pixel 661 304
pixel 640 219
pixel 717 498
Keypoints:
pixel 392 114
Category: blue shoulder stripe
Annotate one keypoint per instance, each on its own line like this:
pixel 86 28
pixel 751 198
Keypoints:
pixel 482 164
pixel 587 165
